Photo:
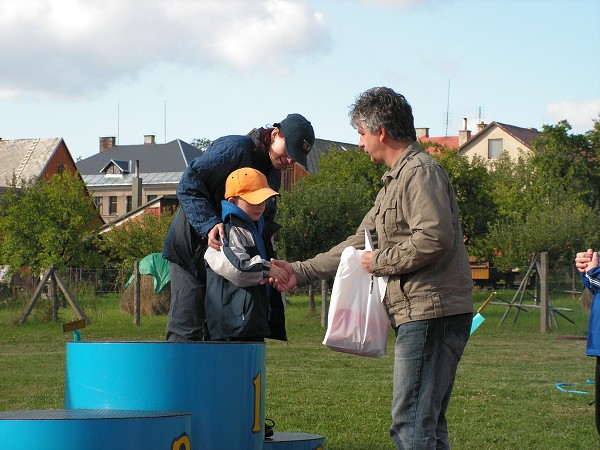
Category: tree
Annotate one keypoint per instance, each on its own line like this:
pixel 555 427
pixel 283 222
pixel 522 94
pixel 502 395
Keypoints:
pixel 46 222
pixel 472 185
pixel 136 238
pixel 548 201
pixel 323 209
pixel 558 229
pixel 568 164
pixel 201 143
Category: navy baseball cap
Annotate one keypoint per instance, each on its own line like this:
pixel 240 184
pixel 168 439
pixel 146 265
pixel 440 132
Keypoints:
pixel 299 137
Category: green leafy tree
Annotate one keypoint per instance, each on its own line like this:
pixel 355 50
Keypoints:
pixel 559 229
pixel 513 186
pixel 323 209
pixel 472 185
pixel 135 239
pixel 547 201
pixel 201 143
pixel 48 222
pixel 568 164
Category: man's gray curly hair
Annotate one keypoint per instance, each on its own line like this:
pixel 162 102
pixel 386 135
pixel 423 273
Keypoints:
pixel 383 107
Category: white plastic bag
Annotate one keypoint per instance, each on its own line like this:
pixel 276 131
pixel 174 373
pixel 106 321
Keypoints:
pixel 358 322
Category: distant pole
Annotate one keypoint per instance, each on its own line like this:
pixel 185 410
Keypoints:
pixel 54 295
pixel 136 293
pixel 324 308
pixel 118 122
pixel 544 292
pixel 165 114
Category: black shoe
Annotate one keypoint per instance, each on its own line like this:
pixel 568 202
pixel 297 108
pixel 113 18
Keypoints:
pixel 269 424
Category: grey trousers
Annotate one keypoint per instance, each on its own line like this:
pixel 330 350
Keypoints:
pixel 187 317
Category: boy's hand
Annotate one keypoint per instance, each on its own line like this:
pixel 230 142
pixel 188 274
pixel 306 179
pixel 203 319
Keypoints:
pixel 584 261
pixel 291 279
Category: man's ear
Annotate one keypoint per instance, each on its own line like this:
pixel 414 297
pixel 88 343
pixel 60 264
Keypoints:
pixel 382 134
pixel 233 200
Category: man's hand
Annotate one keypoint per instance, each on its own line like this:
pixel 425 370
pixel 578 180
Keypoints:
pixel 287 267
pixel 366 260
pixel 215 237
pixel 279 274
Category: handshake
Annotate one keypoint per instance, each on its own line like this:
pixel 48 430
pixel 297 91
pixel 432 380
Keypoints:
pixel 281 275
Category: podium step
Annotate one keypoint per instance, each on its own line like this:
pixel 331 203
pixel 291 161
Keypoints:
pixel 294 441
pixel 93 429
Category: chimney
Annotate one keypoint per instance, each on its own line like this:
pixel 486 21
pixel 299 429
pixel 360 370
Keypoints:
pixel 107 143
pixel 422 133
pixel 149 139
pixel 464 135
pixel 136 187
pixel 481 126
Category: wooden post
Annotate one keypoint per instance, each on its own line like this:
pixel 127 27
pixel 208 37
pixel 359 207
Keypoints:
pixel 544 292
pixel 136 293
pixel 54 295
pixel 68 296
pixel 36 295
pixel 56 280
pixel 324 308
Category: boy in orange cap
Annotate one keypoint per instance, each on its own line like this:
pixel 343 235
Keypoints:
pixel 237 298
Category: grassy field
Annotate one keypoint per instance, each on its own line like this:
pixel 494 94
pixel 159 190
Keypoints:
pixel 505 395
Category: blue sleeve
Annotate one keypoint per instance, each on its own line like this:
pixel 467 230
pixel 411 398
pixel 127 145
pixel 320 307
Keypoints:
pixel 591 280
pixel 202 185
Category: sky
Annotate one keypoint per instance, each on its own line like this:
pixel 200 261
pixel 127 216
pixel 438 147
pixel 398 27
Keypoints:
pixel 200 69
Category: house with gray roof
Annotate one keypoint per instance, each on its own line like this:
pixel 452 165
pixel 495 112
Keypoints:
pixel 122 178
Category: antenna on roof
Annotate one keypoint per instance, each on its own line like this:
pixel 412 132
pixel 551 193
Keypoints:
pixel 479 114
pixel 118 123
pixel 165 114
pixel 448 107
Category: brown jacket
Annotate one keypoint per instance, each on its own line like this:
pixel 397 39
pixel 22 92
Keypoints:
pixel 416 228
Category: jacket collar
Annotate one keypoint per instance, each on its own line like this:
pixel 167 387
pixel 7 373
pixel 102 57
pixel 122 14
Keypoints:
pixel 406 156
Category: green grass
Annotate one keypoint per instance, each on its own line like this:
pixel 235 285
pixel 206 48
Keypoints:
pixel 504 398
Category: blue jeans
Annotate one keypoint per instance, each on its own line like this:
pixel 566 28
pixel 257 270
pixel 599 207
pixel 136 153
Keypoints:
pixel 427 353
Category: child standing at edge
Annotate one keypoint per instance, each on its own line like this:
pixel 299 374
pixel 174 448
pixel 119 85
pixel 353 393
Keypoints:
pixel 237 298
pixel 587 264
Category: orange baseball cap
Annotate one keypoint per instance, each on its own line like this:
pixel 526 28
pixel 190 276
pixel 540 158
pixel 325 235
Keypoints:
pixel 249 184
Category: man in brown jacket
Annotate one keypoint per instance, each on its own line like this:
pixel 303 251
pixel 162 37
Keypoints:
pixel 420 246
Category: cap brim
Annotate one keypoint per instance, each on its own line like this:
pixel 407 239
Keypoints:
pixel 297 155
pixel 257 197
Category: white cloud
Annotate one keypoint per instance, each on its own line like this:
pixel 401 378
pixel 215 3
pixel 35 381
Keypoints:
pixel 79 47
pixel 580 115
pixel 396 3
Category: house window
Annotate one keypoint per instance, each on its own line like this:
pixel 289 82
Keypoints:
pixel 60 168
pixel 113 170
pixel 149 198
pixel 494 148
pixel 129 203
pixel 99 204
pixel 112 205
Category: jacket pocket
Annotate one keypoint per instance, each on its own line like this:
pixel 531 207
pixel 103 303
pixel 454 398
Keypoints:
pixel 388 218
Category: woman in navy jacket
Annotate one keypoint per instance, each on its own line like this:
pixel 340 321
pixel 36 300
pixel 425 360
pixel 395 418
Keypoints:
pixel 198 224
pixel 587 264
